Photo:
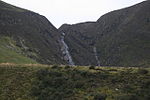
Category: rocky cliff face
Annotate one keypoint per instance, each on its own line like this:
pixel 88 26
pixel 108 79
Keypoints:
pixel 121 38
pixel 33 33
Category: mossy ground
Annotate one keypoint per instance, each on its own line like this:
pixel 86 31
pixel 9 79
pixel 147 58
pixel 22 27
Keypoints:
pixel 43 82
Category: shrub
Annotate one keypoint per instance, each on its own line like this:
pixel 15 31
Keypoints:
pixel 79 84
pixel 92 67
pixel 126 97
pixel 142 71
pixel 84 73
pixel 113 70
pixel 55 66
pixel 67 67
pixel 52 85
pixel 42 73
pixel 100 97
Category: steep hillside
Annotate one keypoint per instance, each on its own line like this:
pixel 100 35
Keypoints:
pixel 121 38
pixel 33 34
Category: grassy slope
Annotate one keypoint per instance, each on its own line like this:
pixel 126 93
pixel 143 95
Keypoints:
pixel 41 82
pixel 31 30
pixel 11 53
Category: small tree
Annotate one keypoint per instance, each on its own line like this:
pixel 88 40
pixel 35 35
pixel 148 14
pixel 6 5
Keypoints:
pixel 100 97
pixel 67 67
pixel 142 71
pixel 55 66
pixel 92 67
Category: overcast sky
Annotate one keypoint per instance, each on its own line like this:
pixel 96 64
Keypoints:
pixel 72 11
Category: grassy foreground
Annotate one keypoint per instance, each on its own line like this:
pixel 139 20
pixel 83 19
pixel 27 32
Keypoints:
pixel 43 82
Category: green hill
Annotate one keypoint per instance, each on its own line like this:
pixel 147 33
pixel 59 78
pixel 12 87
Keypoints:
pixel 42 82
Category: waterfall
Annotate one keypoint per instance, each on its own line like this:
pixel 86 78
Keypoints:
pixel 65 51
pixel 96 56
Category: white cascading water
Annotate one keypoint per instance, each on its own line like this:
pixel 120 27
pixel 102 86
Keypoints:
pixel 96 56
pixel 65 51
